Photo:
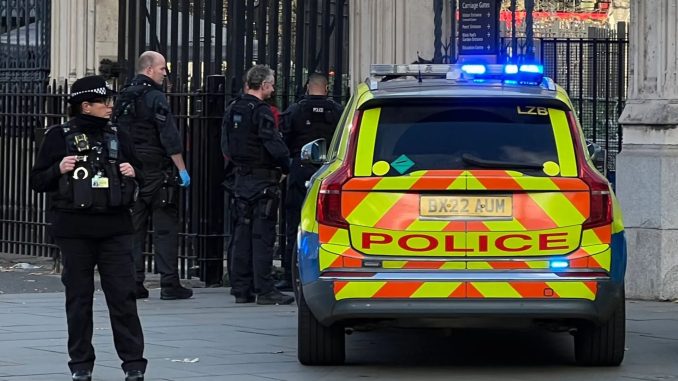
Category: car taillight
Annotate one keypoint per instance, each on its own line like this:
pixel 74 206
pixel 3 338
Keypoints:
pixel 329 197
pixel 601 199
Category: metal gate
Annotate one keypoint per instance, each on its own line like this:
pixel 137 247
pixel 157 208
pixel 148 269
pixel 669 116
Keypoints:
pixel 209 45
pixel 594 72
pixel 24 71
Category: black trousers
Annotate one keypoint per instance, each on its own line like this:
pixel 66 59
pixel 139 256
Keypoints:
pixel 296 193
pixel 113 258
pixel 163 207
pixel 253 240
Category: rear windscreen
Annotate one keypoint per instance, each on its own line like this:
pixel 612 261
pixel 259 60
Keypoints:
pixel 442 137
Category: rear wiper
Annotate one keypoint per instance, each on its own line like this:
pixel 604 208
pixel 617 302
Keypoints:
pixel 473 160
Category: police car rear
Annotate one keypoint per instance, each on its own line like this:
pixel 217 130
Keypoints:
pixel 466 199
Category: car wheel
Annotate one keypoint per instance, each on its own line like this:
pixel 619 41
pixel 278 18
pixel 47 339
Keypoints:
pixel 318 344
pixel 603 344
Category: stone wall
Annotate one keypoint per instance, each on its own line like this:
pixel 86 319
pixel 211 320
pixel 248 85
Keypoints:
pixel 83 33
pixel 391 31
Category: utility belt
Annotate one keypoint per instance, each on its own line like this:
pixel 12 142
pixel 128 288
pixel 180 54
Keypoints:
pixel 263 206
pixel 268 173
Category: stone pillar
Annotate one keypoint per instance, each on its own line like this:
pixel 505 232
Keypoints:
pixel 390 31
pixel 618 12
pixel 647 167
pixel 83 33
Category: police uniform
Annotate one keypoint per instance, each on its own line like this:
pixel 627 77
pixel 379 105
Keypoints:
pixel 93 227
pixel 254 147
pixel 142 109
pixel 313 117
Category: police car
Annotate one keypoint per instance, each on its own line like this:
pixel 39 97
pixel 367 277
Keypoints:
pixel 456 195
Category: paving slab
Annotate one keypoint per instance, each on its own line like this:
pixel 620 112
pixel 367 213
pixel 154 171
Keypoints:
pixel 209 337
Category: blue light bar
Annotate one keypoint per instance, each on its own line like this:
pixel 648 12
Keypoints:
pixel 533 69
pixel 511 69
pixel 559 264
pixel 474 69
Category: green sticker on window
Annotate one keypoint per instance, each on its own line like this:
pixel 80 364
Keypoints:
pixel 402 164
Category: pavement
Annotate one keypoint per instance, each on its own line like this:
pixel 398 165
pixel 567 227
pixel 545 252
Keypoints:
pixel 209 337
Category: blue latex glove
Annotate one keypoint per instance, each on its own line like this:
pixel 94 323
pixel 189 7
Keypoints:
pixel 185 178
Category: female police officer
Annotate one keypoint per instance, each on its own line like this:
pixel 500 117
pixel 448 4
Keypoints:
pixel 89 169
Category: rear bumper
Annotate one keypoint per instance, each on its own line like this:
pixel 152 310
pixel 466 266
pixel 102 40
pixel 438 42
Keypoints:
pixel 320 297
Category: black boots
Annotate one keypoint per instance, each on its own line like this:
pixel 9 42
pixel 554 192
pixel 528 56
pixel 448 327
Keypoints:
pixel 141 292
pixel 284 284
pixel 86 375
pixel 245 299
pixel 82 375
pixel 175 292
pixel 274 297
pixel 134 375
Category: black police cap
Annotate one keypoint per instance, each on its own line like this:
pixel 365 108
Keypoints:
pixel 88 88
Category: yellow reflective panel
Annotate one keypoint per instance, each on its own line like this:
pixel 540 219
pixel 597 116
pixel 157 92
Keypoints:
pixel 436 289
pixel 372 208
pixel 396 183
pixel 496 290
pixel 366 140
pixel 590 238
pixel 340 237
pixel 308 209
pixel 334 249
pixel 472 183
pixel 393 264
pixel 617 217
pixel 572 290
pixel 427 226
pixel 325 258
pixel 603 259
pixel 564 144
pixel 359 290
pixel 478 266
pixel 558 207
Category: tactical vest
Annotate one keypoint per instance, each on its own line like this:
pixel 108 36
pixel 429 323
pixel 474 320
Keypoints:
pixel 95 184
pixel 132 113
pixel 244 145
pixel 318 118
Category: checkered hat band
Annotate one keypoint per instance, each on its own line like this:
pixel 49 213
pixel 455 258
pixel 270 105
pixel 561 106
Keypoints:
pixel 100 90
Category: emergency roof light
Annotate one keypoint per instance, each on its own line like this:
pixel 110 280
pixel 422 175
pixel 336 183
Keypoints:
pixel 509 74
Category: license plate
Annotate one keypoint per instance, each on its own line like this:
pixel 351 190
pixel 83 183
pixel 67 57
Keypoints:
pixel 450 207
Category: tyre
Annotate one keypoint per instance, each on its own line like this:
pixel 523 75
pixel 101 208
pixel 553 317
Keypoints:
pixel 318 344
pixel 602 345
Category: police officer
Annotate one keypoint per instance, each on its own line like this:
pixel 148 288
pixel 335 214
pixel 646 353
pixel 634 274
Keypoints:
pixel 142 108
pixel 89 168
pixel 315 116
pixel 258 154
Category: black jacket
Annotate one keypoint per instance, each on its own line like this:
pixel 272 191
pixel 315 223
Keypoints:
pixel 45 175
